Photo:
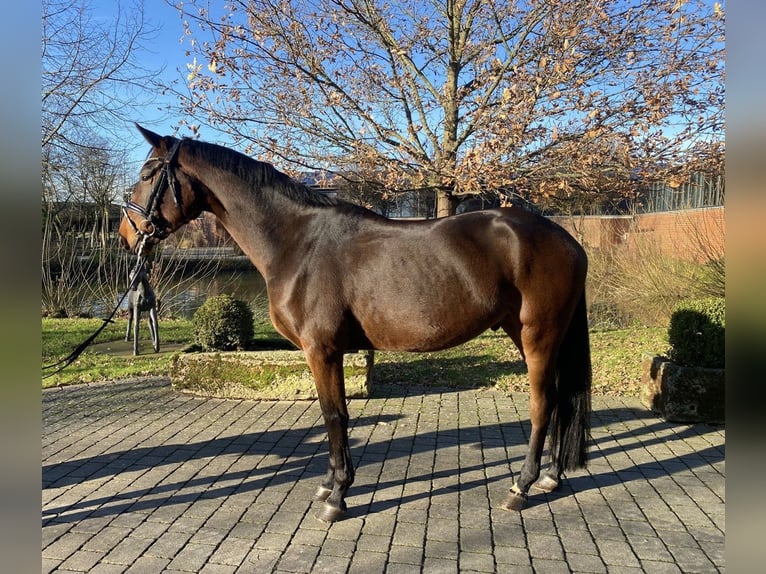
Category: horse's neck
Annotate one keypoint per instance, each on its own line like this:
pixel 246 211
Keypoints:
pixel 260 221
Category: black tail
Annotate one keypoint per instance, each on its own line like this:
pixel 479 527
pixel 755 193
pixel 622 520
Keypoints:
pixel 570 420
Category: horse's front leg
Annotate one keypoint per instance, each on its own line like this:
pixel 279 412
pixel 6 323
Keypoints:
pixel 328 376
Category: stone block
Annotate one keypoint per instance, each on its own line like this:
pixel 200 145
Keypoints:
pixel 683 394
pixel 263 375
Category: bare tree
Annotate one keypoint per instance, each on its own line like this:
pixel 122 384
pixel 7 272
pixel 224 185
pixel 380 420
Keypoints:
pixel 91 79
pixel 460 96
pixel 100 176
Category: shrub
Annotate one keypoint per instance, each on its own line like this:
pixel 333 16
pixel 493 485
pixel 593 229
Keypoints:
pixel 696 332
pixel 223 323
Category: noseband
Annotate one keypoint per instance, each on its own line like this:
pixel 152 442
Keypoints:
pixel 153 224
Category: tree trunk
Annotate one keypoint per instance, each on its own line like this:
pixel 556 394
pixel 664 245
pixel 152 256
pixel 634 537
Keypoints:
pixel 446 204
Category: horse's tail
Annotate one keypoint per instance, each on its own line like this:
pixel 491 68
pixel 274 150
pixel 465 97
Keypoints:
pixel 570 420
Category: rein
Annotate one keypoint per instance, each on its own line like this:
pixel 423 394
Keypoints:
pixel 151 226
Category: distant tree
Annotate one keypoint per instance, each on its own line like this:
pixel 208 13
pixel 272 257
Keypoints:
pixel 99 177
pixel 461 96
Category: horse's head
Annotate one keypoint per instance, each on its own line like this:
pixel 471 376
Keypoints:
pixel 163 199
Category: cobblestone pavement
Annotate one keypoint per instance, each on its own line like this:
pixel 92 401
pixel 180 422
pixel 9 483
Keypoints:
pixel 139 478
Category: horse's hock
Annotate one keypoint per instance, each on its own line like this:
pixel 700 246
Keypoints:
pixel 264 375
pixel 683 394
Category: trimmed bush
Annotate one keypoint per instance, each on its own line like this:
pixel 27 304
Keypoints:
pixel 223 323
pixel 696 333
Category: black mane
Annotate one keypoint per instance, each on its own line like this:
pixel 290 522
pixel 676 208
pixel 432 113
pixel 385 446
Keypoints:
pixel 258 174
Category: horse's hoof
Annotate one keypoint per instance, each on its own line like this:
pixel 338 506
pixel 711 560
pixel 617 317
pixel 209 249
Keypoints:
pixel 331 514
pixel 514 502
pixel 322 493
pixel 546 484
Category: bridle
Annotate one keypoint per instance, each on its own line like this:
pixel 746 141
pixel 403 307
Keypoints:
pixel 153 225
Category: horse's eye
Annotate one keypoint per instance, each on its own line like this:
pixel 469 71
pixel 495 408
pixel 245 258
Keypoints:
pixel 146 177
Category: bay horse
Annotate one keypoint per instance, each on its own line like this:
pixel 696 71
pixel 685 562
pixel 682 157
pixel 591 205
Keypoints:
pixel 340 277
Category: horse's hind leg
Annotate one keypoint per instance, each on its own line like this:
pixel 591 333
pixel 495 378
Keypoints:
pixel 540 354
pixel 328 375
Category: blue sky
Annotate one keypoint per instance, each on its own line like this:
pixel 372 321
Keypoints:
pixel 165 51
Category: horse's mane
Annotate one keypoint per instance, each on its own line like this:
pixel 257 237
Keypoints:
pixel 260 175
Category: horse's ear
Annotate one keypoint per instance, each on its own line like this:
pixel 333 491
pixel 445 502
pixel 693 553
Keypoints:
pixel 154 139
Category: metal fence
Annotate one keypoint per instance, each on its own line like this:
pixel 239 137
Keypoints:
pixel 701 190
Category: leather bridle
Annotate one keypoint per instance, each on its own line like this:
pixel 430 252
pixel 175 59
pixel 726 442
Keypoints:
pixel 153 225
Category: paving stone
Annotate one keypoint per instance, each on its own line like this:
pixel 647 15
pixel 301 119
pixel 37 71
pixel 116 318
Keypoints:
pixel 298 558
pixel 168 544
pixel 656 567
pixel 231 551
pixel 108 568
pixel 148 564
pixel 139 478
pixel 366 562
pixel 128 550
pixel 260 560
pixel 217 569
pixel 373 543
pixel 476 562
pixel 616 553
pixel 327 564
pixel 551 566
pixel 82 561
pixel 545 546
pixel 65 546
pixel 49 565
pixel 405 554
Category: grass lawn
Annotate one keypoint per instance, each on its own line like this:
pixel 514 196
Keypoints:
pixel 488 360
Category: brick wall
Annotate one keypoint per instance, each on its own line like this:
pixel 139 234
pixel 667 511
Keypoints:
pixel 693 234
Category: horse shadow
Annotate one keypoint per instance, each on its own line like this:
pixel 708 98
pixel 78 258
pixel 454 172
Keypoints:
pixel 300 454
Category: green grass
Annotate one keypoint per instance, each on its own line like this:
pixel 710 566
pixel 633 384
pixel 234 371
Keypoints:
pixel 61 336
pixel 488 360
pixel 492 359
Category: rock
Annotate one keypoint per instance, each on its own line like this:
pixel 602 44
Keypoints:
pixel 683 394
pixel 263 375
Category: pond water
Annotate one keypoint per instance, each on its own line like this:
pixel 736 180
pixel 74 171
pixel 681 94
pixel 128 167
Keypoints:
pixel 184 297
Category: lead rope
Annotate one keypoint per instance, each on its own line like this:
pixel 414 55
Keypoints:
pixel 78 350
